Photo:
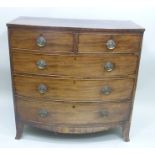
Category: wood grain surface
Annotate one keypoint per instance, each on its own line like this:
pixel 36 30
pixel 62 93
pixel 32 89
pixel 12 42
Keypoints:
pixel 56 41
pixel 82 66
pixel 72 89
pixel 74 77
pixel 72 113
pixel 96 42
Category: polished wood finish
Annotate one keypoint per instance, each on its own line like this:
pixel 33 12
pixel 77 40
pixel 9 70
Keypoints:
pixel 67 89
pixel 56 41
pixel 74 24
pixel 96 42
pixel 72 113
pixel 62 84
pixel 80 66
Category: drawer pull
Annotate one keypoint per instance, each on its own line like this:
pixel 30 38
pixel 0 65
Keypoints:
pixel 41 64
pixel 42 88
pixel 111 44
pixel 109 66
pixel 41 41
pixel 106 90
pixel 43 113
pixel 103 113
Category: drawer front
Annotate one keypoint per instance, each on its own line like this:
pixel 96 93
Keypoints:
pixel 100 42
pixel 90 66
pixel 71 113
pixel 70 89
pixel 44 40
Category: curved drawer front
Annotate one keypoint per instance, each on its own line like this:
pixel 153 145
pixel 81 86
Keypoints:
pixel 69 89
pixel 89 66
pixel 50 112
pixel 102 42
pixel 43 40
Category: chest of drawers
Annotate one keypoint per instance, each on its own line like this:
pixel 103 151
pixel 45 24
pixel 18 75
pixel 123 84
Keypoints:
pixel 74 76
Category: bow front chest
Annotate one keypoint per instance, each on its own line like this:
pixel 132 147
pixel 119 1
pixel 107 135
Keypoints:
pixel 74 76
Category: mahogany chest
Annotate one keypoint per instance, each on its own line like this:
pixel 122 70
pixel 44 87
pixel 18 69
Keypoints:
pixel 74 76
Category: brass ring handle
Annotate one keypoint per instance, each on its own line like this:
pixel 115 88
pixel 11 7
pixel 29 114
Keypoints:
pixel 106 90
pixel 110 44
pixel 41 41
pixel 41 64
pixel 103 113
pixel 108 66
pixel 42 88
pixel 43 113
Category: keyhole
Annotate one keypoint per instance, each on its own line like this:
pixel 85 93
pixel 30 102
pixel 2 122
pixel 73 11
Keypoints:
pixel 73 106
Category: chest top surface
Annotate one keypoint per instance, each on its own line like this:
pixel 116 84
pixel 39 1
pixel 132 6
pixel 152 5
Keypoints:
pixel 76 23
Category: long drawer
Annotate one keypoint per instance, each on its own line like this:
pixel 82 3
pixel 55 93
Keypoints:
pixel 41 87
pixel 49 112
pixel 87 66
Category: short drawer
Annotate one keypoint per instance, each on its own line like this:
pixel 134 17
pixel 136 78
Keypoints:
pixel 100 42
pixel 42 40
pixel 87 66
pixel 49 112
pixel 73 89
